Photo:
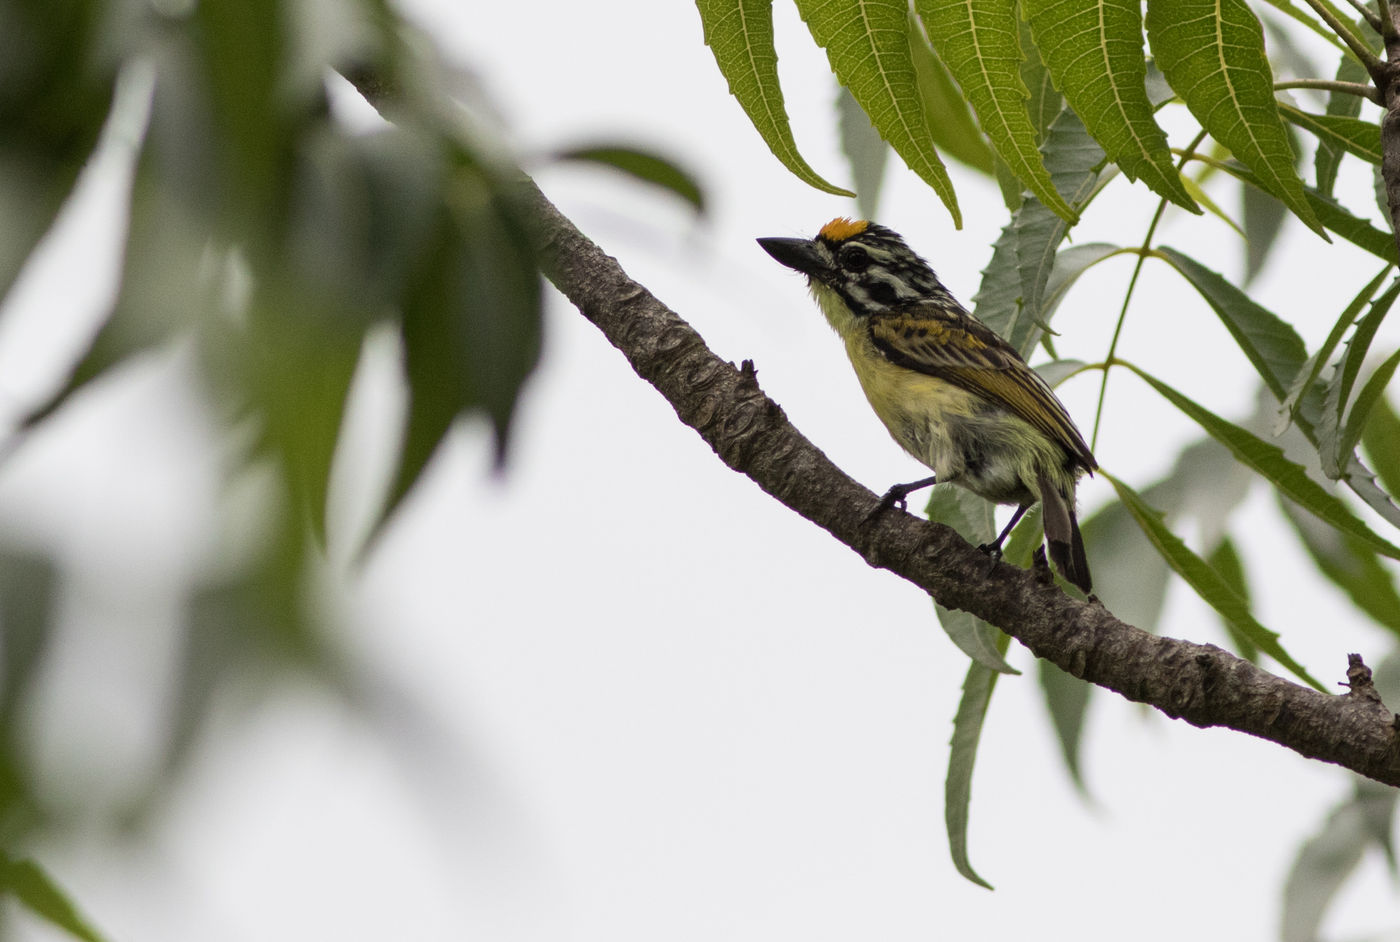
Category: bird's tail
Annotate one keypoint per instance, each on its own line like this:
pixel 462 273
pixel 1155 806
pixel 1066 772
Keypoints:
pixel 1062 536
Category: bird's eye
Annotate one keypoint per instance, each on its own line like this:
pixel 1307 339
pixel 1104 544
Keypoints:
pixel 855 258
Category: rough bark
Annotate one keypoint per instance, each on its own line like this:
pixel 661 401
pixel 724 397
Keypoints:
pixel 1201 684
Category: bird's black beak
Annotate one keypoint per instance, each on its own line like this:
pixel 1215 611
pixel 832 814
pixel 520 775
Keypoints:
pixel 798 254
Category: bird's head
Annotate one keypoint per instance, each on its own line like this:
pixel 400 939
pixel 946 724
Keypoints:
pixel 859 266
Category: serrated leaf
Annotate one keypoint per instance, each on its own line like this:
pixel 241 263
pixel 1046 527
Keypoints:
pixel 1206 582
pixel 1270 343
pixel 997 302
pixel 1312 368
pixel 1360 343
pixel 867 44
pixel 1328 158
pixel 1352 135
pixel 1330 446
pixel 1349 564
pixel 1094 53
pixel 950 120
pixel 1365 401
pixel 865 151
pixel 1067 702
pixel 1268 460
pixel 1212 52
pixel 1381 441
pixel 1363 484
pixel 1073 159
pixel 642 165
pixel 740 34
pixel 973 518
pixel 967 734
pixel 27 882
pixel 979 43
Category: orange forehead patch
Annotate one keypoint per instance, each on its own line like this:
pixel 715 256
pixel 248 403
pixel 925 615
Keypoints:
pixel 841 228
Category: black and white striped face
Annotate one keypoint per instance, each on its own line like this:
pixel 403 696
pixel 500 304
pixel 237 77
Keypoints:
pixel 869 266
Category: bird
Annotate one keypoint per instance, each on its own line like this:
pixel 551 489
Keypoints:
pixel 949 389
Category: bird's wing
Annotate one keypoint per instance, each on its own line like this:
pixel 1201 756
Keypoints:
pixel 952 346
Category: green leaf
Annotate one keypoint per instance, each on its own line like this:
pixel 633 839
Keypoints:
pixel 58 88
pixel 1225 560
pixel 740 34
pixel 1363 484
pixel 1366 400
pixel 1212 52
pixel 1360 343
pixel 1067 701
pixel 28 584
pixel 1206 582
pixel 1268 460
pixel 1352 135
pixel 1074 160
pixel 1307 376
pixel 162 288
pixel 27 882
pixel 973 518
pixel 644 166
pixel 1330 438
pixel 1354 229
pixel 865 150
pixel 1264 219
pixel 979 43
pixel 997 302
pixel 867 44
pixel 1350 564
pixel 1381 441
pixel 1094 53
pixel 1070 263
pixel 253 112
pixel 950 120
pixel 1270 343
pixel 1046 102
pixel 1328 158
pixel 967 734
pixel 471 324
pixel 1199 194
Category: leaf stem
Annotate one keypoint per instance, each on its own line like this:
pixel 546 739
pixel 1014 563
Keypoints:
pixel 1372 19
pixel 1358 46
pixel 1143 253
pixel 1369 92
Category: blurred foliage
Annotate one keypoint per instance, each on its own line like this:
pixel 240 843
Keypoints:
pixel 273 225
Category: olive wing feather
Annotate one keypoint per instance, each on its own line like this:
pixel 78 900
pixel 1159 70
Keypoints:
pixel 954 347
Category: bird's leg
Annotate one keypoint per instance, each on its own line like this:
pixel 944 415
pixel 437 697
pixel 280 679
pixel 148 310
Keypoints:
pixel 894 497
pixel 993 549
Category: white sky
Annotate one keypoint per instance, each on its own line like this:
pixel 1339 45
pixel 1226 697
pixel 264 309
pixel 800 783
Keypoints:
pixel 662 705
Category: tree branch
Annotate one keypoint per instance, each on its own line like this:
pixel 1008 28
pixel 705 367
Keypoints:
pixel 1201 684
pixel 1387 79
